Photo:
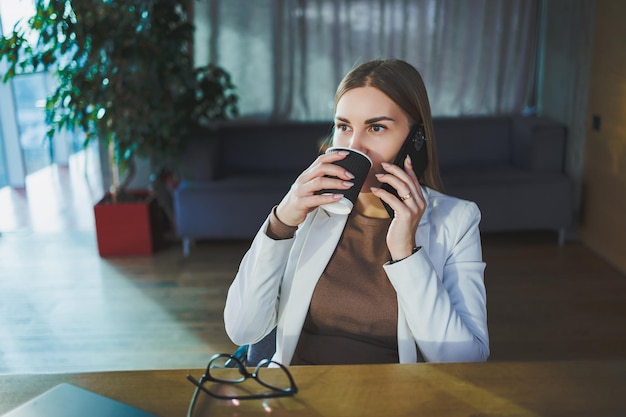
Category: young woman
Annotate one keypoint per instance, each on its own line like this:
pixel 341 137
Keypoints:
pixel 367 287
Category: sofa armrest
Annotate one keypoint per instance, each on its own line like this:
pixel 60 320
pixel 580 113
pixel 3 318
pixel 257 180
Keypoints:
pixel 538 144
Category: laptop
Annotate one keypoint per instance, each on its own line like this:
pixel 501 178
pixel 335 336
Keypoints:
pixel 67 400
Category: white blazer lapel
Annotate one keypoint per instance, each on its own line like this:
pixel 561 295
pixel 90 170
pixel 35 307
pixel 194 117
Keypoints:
pixel 319 245
pixel 422 236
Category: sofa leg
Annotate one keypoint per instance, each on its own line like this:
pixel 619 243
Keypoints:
pixel 186 245
pixel 562 234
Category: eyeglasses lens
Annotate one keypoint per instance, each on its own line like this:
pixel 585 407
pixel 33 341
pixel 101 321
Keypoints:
pixel 276 380
pixel 221 369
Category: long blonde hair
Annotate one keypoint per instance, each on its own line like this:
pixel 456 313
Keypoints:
pixel 403 84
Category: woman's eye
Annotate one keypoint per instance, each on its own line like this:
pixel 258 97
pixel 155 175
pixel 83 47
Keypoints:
pixel 377 128
pixel 343 128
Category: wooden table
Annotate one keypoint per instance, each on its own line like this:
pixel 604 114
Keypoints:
pixel 493 389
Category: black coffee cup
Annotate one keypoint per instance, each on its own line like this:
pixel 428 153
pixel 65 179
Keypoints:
pixel 357 163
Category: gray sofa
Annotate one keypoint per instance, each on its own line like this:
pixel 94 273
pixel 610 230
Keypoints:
pixel 511 166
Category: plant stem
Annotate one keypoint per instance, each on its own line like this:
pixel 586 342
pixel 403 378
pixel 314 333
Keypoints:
pixel 115 172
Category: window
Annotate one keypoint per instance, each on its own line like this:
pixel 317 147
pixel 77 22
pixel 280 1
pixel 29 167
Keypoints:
pixel 23 139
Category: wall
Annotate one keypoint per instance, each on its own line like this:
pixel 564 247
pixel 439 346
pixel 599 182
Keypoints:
pixel 603 222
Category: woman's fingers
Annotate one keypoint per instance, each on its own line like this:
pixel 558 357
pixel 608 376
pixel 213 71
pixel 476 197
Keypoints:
pixel 323 175
pixel 309 202
pixel 405 182
pixel 408 209
pixel 307 192
pixel 402 208
pixel 408 164
pixel 324 166
pixel 320 184
pixel 399 176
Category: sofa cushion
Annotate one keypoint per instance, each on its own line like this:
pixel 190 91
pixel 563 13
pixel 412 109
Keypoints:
pixel 513 199
pixel 539 145
pixel 199 160
pixel 260 150
pixel 231 208
pixel 488 175
pixel 473 141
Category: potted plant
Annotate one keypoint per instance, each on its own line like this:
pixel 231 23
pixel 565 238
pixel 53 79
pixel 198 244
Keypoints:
pixel 126 78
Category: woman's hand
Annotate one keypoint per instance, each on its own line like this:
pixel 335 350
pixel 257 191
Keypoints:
pixel 304 195
pixel 408 210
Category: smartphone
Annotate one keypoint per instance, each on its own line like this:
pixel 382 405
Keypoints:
pixel 415 146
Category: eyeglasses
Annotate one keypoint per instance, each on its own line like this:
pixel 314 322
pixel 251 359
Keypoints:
pixel 227 382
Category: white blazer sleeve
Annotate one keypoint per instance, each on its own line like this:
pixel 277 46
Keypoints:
pixel 252 302
pixel 446 314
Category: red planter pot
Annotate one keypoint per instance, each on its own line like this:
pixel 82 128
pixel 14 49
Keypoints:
pixel 129 227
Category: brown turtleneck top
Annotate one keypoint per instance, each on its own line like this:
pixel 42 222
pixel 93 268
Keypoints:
pixel 353 314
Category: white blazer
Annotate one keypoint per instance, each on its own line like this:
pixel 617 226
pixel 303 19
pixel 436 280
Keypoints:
pixel 440 289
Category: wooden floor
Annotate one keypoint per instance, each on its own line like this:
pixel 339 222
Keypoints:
pixel 65 309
